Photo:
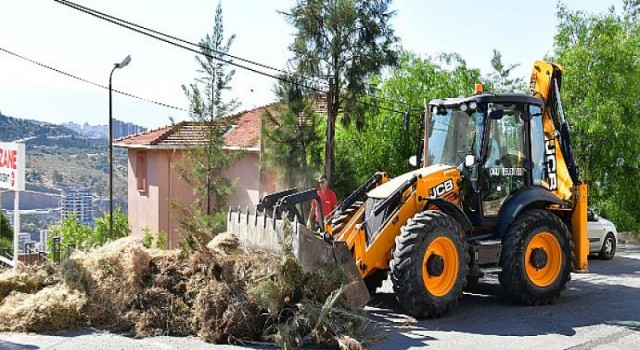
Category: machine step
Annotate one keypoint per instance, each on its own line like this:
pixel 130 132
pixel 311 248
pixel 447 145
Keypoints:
pixel 486 252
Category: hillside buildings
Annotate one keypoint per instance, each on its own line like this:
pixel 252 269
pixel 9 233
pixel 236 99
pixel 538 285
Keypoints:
pixel 120 129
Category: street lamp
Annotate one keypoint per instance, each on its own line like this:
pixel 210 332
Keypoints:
pixel 122 64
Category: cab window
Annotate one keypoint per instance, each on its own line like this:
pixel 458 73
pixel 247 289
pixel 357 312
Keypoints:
pixel 503 166
pixel 537 146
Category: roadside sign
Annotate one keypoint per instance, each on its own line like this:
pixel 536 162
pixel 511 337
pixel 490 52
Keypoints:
pixel 12 164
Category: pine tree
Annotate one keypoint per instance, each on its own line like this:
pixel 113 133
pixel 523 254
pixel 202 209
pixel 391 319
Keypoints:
pixel 500 78
pixel 292 143
pixel 205 162
pixel 345 42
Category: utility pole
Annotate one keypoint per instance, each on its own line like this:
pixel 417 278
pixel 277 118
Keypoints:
pixel 122 64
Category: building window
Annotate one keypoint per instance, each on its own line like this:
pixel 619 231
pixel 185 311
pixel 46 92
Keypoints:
pixel 141 172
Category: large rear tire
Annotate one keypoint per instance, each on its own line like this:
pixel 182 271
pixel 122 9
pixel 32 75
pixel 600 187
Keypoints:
pixel 430 264
pixel 537 255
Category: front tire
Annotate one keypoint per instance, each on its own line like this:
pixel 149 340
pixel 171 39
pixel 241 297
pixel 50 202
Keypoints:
pixel 608 250
pixel 537 255
pixel 430 264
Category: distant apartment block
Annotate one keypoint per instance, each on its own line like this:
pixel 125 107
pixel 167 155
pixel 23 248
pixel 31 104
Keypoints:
pixel 120 129
pixel 77 201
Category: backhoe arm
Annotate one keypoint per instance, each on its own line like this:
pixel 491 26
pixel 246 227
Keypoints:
pixel 564 179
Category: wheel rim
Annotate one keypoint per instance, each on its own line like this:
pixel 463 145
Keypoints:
pixel 608 246
pixel 440 266
pixel 543 259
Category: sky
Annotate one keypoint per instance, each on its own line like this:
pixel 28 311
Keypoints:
pixel 74 42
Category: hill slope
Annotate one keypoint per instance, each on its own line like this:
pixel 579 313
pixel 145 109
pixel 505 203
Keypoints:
pixel 15 129
pixel 58 157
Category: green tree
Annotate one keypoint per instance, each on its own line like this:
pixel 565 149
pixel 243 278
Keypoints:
pixel 345 41
pixel 205 162
pixel 6 232
pixel 601 85
pixel 71 231
pixel 84 237
pixel 292 143
pixel 384 145
pixel 121 228
pixel 500 79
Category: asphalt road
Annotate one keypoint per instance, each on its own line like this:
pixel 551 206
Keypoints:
pixel 599 310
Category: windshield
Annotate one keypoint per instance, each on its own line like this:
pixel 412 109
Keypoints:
pixel 454 135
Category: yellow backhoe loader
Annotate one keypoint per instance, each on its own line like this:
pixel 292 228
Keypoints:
pixel 496 190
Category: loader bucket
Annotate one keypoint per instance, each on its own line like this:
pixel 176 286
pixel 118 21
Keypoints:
pixel 257 231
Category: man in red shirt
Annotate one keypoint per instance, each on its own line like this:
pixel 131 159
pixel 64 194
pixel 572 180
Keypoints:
pixel 328 199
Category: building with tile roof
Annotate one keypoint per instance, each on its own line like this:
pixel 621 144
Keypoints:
pixel 153 181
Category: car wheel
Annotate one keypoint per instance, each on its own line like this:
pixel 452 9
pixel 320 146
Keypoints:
pixel 608 247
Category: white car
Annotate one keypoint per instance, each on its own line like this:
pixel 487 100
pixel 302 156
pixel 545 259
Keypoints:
pixel 603 236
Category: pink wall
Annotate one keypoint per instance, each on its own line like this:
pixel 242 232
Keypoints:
pixel 153 207
pixel 143 206
pixel 245 171
pixel 181 194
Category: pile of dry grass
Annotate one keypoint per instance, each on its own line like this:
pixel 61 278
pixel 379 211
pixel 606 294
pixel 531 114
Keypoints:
pixel 112 277
pixel 222 293
pixel 29 279
pixel 225 243
pixel 51 309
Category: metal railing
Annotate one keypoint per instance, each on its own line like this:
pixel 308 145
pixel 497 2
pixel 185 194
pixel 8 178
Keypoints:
pixel 31 255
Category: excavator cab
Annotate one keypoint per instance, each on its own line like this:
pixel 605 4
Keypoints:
pixel 496 142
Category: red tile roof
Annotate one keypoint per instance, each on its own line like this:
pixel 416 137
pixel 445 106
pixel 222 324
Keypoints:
pixel 244 133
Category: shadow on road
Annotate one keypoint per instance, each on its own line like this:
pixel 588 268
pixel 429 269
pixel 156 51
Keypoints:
pixel 79 332
pixel 7 345
pixel 608 294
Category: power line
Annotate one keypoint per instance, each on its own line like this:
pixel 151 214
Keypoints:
pixel 178 42
pixel 199 52
pixel 89 81
pixel 130 25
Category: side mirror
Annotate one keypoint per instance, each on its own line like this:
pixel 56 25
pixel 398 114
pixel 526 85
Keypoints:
pixel 469 160
pixel 595 217
pixel 413 160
